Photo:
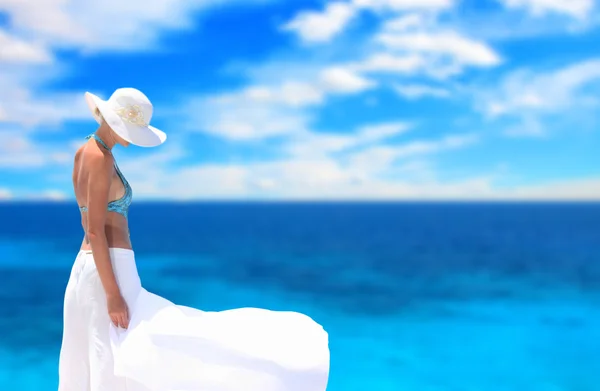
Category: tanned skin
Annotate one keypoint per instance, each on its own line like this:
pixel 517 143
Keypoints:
pixel 96 183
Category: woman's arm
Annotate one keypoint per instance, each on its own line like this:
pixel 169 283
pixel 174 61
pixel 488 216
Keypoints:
pixel 100 177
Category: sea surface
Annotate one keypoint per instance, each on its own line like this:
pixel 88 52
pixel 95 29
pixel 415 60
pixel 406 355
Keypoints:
pixel 414 296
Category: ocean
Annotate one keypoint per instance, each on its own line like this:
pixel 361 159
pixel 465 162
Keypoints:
pixel 414 296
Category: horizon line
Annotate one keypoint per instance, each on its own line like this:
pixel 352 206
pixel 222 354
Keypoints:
pixel 317 200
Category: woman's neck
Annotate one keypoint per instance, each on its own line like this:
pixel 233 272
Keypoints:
pixel 105 133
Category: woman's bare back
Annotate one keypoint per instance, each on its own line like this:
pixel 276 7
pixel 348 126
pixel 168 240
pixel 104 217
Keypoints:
pixel 91 156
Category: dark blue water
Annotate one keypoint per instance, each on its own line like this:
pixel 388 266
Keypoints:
pixel 431 296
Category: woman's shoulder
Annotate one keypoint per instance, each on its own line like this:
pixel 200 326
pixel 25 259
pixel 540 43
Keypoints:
pixel 94 158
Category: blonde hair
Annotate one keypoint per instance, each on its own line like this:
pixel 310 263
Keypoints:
pixel 99 114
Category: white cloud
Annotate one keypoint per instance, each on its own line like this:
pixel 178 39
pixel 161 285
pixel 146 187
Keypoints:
pixel 52 195
pixel 321 26
pixel 314 169
pixel 569 189
pixel 22 106
pixel 134 24
pixel 281 97
pixel 52 19
pixel 461 49
pixel 196 181
pixel 387 154
pixel 371 173
pixel 527 91
pixel 19 151
pixel 387 62
pixel 263 111
pixel 415 44
pixel 291 93
pixel 310 145
pixel 342 80
pixel 160 174
pixel 5 194
pixel 36 195
pixel 416 91
pixel 315 165
pixel 527 126
pixel 326 178
pixel 579 9
pixel 293 179
pixel 380 131
pixel 320 164
pixel 249 114
pixel 408 22
pixel 15 50
pixel 403 5
pixel 24 101
pixel 529 97
pixel 37 28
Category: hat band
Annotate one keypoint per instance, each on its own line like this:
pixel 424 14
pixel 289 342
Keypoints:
pixel 132 114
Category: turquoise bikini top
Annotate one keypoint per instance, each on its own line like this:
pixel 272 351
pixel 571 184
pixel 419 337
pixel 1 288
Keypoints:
pixel 121 205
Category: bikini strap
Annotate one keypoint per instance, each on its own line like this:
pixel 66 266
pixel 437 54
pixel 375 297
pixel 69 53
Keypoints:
pixel 95 137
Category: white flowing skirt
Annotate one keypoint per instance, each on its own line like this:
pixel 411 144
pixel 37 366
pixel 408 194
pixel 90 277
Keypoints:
pixel 168 347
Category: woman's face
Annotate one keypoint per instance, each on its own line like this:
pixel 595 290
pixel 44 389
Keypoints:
pixel 118 138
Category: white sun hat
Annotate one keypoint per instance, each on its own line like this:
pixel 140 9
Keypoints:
pixel 128 113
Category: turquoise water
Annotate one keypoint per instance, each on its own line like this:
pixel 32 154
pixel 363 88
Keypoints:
pixel 423 297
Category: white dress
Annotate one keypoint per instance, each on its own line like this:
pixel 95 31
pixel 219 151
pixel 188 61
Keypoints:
pixel 168 347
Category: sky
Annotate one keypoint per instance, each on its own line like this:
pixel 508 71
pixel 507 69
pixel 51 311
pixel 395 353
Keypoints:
pixel 310 100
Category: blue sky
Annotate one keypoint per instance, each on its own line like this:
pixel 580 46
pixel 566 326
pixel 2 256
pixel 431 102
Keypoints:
pixel 272 99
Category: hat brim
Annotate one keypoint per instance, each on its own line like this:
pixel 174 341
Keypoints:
pixel 143 136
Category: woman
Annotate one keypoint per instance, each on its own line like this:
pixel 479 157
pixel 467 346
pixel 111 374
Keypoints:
pixel 118 336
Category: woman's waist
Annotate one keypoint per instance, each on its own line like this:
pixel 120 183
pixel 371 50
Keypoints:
pixel 119 257
pixel 123 265
pixel 120 251
pixel 116 230
pixel 122 260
